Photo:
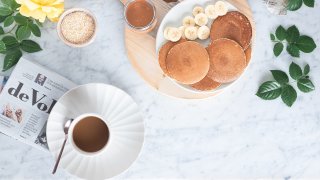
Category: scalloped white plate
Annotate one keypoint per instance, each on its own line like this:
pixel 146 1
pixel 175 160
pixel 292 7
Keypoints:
pixel 124 120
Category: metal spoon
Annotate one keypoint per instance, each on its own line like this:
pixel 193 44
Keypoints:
pixel 65 129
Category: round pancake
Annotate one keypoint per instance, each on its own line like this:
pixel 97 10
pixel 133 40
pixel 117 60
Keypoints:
pixel 187 62
pixel 206 84
pixel 227 60
pixel 164 52
pixel 248 52
pixel 234 25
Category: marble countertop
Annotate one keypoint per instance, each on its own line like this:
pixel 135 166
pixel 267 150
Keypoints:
pixel 233 135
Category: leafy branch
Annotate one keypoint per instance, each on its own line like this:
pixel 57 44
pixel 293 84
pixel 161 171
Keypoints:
pixel 293 40
pixel 294 5
pixel 15 40
pixel 281 86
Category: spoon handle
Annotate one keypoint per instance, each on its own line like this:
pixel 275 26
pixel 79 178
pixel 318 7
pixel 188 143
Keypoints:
pixel 59 157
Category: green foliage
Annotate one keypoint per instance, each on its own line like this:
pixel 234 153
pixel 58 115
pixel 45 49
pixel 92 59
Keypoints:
pixel 294 5
pixel 293 40
pixel 270 90
pixel 16 40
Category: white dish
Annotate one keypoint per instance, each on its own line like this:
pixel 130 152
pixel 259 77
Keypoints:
pixel 174 19
pixel 124 121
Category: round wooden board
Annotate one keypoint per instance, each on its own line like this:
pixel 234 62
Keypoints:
pixel 141 50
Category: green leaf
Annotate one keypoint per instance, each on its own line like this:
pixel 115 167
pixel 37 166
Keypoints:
pixel 294 5
pixel 272 37
pixel 8 21
pixel 269 90
pixel 293 34
pixel 4 11
pixel 306 69
pixel 2 46
pixel 10 4
pixel 309 3
pixel 277 49
pixel 288 95
pixel 281 33
pixel 11 59
pixel 280 76
pixel 306 44
pixel 38 23
pixel 35 30
pixel 293 50
pixel 21 19
pixel 23 32
pixel 1 30
pixel 2 18
pixel 305 85
pixel 295 71
pixel 10 42
pixel 30 46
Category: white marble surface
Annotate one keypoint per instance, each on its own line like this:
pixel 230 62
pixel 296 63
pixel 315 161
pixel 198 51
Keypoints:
pixel 234 135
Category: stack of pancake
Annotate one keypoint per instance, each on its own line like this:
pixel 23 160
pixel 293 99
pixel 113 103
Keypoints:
pixel 223 61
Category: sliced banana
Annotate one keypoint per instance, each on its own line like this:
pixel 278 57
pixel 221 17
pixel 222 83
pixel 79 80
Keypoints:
pixel 191 33
pixel 197 10
pixel 203 32
pixel 166 33
pixel 201 19
pixel 182 29
pixel 220 8
pixel 188 21
pixel 174 34
pixel 211 12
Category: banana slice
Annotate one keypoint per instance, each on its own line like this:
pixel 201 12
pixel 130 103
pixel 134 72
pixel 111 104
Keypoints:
pixel 220 8
pixel 191 33
pixel 182 29
pixel 188 21
pixel 203 32
pixel 211 12
pixel 166 33
pixel 197 10
pixel 174 34
pixel 201 19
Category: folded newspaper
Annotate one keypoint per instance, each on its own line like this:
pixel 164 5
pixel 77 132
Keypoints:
pixel 26 101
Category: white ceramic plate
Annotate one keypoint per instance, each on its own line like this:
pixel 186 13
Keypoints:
pixel 174 19
pixel 124 120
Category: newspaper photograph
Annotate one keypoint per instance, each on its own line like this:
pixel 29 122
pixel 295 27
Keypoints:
pixel 27 99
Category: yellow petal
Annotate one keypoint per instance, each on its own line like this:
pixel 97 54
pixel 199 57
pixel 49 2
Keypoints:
pixel 30 4
pixel 24 11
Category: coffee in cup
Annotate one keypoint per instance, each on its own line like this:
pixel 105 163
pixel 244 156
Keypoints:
pixel 90 133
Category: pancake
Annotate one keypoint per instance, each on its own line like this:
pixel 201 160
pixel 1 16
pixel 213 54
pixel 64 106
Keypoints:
pixel 206 84
pixel 164 52
pixel 187 62
pixel 227 60
pixel 234 25
pixel 248 52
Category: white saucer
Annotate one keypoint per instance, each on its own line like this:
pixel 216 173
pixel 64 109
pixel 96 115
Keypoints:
pixel 126 127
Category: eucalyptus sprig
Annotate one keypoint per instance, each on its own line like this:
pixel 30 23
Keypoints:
pixel 281 86
pixel 15 31
pixel 293 40
pixel 294 5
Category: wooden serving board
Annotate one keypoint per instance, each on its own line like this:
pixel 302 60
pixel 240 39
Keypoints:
pixel 141 51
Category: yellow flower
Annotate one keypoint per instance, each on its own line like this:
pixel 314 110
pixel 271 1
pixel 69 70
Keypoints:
pixel 40 9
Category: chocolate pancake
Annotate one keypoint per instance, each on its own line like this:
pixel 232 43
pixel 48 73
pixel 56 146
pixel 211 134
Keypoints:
pixel 164 52
pixel 234 25
pixel 227 60
pixel 206 84
pixel 187 62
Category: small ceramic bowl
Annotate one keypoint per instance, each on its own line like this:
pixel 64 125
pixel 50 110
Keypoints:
pixel 69 11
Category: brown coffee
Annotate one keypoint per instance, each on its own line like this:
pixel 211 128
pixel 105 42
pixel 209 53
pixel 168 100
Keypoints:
pixel 90 134
pixel 140 13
